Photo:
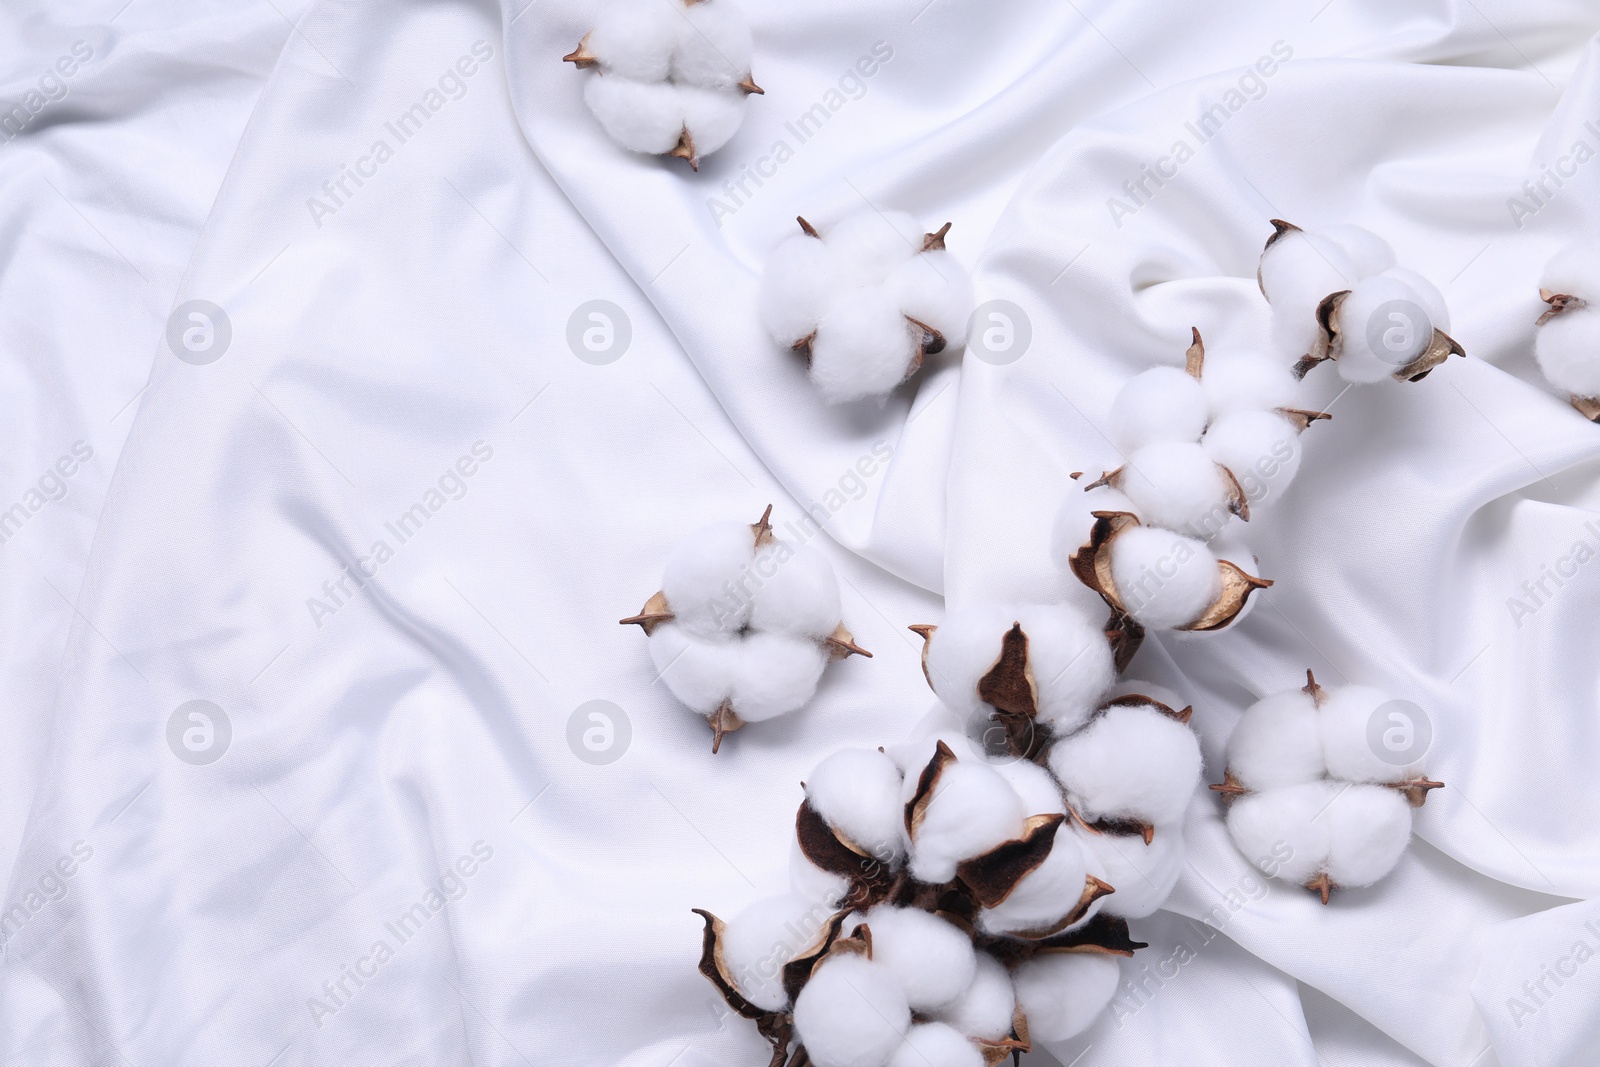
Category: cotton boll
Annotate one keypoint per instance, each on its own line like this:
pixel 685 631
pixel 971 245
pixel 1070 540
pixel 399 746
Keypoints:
pixel 1130 763
pixel 1260 448
pixel 972 810
pixel 1045 895
pixel 1162 404
pixel 1177 486
pixel 1345 723
pixel 1384 325
pixel 935 289
pixel 1278 742
pixel 1294 333
pixel 870 244
pixel 1142 875
pixel 1247 383
pixel 936 1045
pixel 640 116
pixel 1062 993
pixel 796 591
pixel 703 577
pixel 1071 663
pixel 714 48
pixel 1574 271
pixel 799 282
pixel 1074 520
pixel 863 346
pixel 1370 253
pixel 813 883
pixel 758 941
pixel 960 652
pixel 1165 580
pixel 1301 267
pixel 1284 832
pixel 634 39
pixel 851 1013
pixel 777 674
pixel 1427 294
pixel 1034 785
pixel 932 960
pixel 711 116
pixel 985 1009
pixel 1369 827
pixel 913 756
pixel 1568 350
pixel 700 672
pixel 857 792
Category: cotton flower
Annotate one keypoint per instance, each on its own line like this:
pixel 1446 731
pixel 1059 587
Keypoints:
pixel 758 941
pixel 670 76
pixel 866 302
pixel 744 624
pixel 1135 763
pixel 852 1013
pixel 1567 341
pixel 1312 800
pixel 857 792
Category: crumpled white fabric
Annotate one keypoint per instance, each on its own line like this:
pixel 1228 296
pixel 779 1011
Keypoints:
pixel 390 736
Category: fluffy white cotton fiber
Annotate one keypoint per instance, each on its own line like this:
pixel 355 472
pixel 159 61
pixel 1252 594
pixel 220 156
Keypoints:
pixel 776 675
pixel 851 1013
pixel 972 810
pixel 1045 895
pixel 1260 448
pixel 1568 350
pixel 1297 271
pixel 758 941
pixel 1278 742
pixel 1369 828
pixel 1354 746
pixel 1285 832
pixel 1179 487
pixel 644 117
pixel 857 792
pixel 635 39
pixel 863 345
pixel 1370 253
pixel 1166 580
pixel 713 48
pixel 1162 404
pixel 932 960
pixel 699 672
pixel 796 591
pixel 1070 660
pixel 1384 325
pixel 984 1010
pixel 1035 786
pixel 1234 383
pixel 1062 993
pixel 703 576
pixel 813 883
pixel 1142 875
pixel 1129 763
pixel 1574 271
pixel 801 279
pixel 711 117
pixel 936 1045
pixel 935 289
pixel 961 651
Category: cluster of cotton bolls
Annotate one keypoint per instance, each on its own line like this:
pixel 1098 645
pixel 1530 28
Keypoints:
pixel 945 910
pixel 671 76
pixel 866 302
pixel 1567 344
pixel 744 624
pixel 1338 294
pixel 1321 783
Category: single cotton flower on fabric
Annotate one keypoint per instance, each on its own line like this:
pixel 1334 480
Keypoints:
pixel 1337 294
pixel 744 624
pixel 670 76
pixel 1321 783
pixel 866 302
pixel 1567 342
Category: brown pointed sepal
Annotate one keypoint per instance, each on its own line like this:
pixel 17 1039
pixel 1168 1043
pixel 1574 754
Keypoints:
pixel 580 56
pixel 750 87
pixel 1237 585
pixel 1013 1045
pixel 1558 302
pixel 797 971
pixel 1194 360
pixel 994 875
pixel 841 644
pixel 762 528
pixel 927 782
pixel 934 242
pixel 1313 690
pixel 653 614
pixel 1104 934
pixel 1229 788
pixel 776 1026
pixel 1416 789
pixel 724 721
pixel 1328 341
pixel 1440 348
pixel 684 150
pixel 1588 407
pixel 1279 228
pixel 1323 886
pixel 1302 418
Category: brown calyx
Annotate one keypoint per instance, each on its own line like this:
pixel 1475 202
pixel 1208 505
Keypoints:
pixel 724 721
pixel 1558 302
pixel 749 86
pixel 1010 688
pixel 934 242
pixel 580 56
pixel 993 876
pixel 1330 343
pixel 1416 789
pixel 684 150
pixel 653 614
pixel 1588 407
pixel 841 644
pixel 1194 360
pixel 927 782
pixel 1230 788
pixel 1323 886
pixel 1302 418
pixel 1134 700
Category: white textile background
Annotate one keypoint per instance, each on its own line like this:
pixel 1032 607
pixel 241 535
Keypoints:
pixel 402 738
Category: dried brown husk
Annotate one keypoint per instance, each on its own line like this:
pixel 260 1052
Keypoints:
pixel 1330 343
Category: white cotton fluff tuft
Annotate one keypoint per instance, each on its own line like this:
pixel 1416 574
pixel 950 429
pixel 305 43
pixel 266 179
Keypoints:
pixel 1284 832
pixel 1162 404
pixel 1071 663
pixel 713 46
pixel 758 941
pixel 1427 294
pixel 1045 895
pixel 1247 383
pixel 1061 994
pixel 936 1045
pixel 1297 272
pixel 972 810
pixel 635 39
pixel 776 674
pixel 1369 828
pixel 801 280
pixel 813 883
pixel 645 117
pixel 857 792
pixel 863 345
pixel 796 591
pixel 711 117
pixel 700 673
pixel 703 576
pixel 1574 271
pixel 985 1008
pixel 870 244
pixel 851 1013
pixel 1260 448
pixel 960 652
pixel 1037 788
pixel 932 960
pixel 1278 742
pixel 1383 326
pixel 1129 763
pixel 935 289
pixel 1164 579
pixel 1568 350
pixel 1177 487
pixel 1352 742
pixel 1370 253
pixel 1142 875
